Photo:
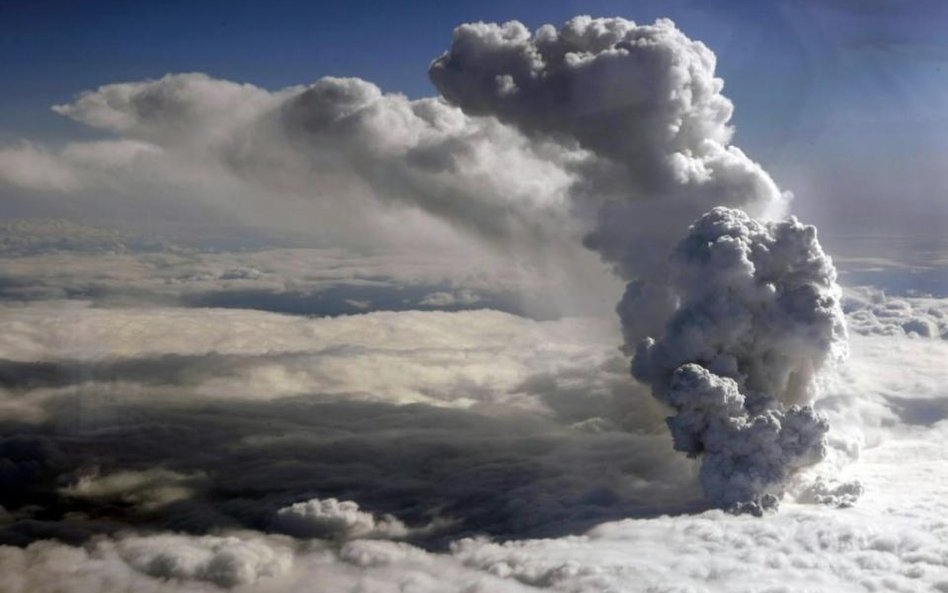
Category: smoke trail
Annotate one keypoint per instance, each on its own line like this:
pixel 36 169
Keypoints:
pixel 745 312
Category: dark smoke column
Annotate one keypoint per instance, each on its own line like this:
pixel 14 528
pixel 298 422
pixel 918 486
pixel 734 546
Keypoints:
pixel 729 326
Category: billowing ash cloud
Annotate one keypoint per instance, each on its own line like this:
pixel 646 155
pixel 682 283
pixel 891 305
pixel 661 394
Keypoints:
pixel 643 100
pixel 758 315
pixel 747 311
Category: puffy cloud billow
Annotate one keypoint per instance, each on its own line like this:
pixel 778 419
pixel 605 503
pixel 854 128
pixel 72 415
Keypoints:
pixel 749 311
pixel 871 312
pixel 331 518
pixel 758 315
pixel 644 101
pixel 643 97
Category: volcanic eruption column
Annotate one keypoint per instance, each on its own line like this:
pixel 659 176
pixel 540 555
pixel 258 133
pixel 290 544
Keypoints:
pixel 729 325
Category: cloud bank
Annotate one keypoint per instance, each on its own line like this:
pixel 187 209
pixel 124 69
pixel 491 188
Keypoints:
pixel 338 150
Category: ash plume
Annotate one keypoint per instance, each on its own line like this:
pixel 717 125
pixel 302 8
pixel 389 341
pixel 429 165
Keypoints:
pixel 644 105
pixel 730 326
pixel 758 315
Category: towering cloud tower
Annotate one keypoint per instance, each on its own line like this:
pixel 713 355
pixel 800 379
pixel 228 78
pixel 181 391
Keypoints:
pixel 757 316
pixel 729 325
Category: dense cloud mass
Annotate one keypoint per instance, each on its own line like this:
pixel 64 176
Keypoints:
pixel 644 98
pixel 605 129
pixel 645 101
pixel 758 315
pixel 331 518
pixel 750 303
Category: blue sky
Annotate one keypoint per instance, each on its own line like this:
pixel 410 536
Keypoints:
pixel 822 89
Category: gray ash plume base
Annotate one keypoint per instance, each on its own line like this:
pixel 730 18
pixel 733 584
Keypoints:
pixel 757 316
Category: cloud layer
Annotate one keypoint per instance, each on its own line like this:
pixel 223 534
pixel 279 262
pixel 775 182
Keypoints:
pixel 536 452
